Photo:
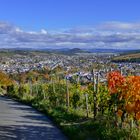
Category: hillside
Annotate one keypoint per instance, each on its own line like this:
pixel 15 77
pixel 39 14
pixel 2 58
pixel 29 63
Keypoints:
pixel 128 57
pixel 29 51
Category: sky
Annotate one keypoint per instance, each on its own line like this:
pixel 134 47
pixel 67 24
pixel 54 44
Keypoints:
pixel 70 23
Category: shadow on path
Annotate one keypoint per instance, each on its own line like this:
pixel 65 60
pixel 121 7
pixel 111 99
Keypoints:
pixel 16 132
pixel 22 122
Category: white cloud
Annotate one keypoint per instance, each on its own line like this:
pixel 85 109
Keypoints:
pixel 43 31
pixel 107 35
pixel 119 26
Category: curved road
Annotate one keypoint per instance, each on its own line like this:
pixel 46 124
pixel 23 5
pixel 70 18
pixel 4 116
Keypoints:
pixel 21 122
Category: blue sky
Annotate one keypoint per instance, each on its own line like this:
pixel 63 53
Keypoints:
pixel 70 23
pixel 56 14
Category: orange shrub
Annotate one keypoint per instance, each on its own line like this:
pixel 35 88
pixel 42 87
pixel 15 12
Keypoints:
pixel 128 89
pixel 115 82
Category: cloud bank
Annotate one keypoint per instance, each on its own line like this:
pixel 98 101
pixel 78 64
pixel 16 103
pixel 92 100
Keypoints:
pixel 114 35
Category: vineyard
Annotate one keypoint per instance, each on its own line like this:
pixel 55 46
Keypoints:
pixel 94 110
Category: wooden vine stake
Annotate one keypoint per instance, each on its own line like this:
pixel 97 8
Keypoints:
pixel 95 92
pixel 87 110
pixel 67 95
pixel 94 95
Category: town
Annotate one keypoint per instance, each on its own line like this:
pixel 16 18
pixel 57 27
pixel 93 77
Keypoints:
pixel 81 64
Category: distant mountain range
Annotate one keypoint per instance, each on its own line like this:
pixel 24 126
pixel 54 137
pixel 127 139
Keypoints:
pixel 68 51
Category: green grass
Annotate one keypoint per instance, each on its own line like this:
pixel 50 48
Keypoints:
pixel 77 127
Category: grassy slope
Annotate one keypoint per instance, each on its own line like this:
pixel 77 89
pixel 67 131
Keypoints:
pixel 128 57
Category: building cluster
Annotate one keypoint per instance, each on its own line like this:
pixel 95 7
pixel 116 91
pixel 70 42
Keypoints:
pixel 74 65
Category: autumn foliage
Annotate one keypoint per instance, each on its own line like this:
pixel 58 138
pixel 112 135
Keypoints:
pixel 128 91
pixel 5 80
pixel 115 82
